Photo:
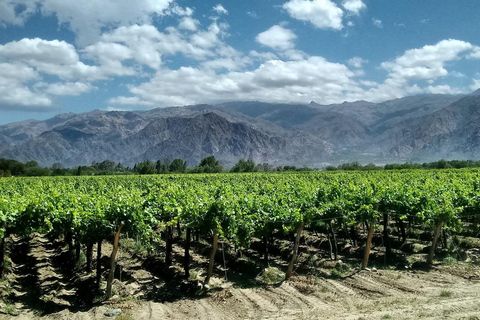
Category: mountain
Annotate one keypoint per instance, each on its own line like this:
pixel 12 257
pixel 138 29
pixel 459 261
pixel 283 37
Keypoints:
pixel 417 128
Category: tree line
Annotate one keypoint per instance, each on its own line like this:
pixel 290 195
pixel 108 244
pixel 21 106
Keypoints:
pixel 209 164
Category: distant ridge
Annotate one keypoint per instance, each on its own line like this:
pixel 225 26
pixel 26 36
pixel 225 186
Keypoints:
pixel 416 128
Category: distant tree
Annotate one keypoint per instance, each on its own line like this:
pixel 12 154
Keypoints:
pixel 371 166
pixel 350 166
pixel 145 167
pixel 264 167
pixel 209 165
pixel 120 168
pixel 178 166
pixel 37 171
pixel 443 164
pixel 331 168
pixel 243 166
pixel 289 168
pixel 12 167
pixel 31 164
pixel 160 167
pixel 107 165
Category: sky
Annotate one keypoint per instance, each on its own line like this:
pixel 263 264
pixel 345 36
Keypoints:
pixel 59 56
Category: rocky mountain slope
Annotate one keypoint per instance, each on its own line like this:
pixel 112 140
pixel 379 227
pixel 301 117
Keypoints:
pixel 417 128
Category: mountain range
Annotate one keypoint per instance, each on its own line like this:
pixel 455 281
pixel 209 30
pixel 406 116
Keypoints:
pixel 417 128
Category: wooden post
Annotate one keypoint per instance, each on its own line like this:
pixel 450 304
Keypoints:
pixel 368 245
pixel 265 253
pixel 288 275
pixel 186 262
pixel 212 259
pixel 89 257
pixel 353 236
pixel 77 247
pixel 334 237
pixel 438 230
pixel 386 236
pixel 99 264
pixel 112 262
pixel 2 255
pixel 168 245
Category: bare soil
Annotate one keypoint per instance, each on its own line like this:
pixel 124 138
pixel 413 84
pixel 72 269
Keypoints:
pixel 42 287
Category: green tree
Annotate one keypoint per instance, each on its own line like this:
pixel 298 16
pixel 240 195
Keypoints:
pixel 178 166
pixel 145 167
pixel 243 166
pixel 209 165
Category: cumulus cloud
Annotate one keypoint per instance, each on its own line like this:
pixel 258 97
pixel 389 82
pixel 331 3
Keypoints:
pixel 68 88
pixel 133 101
pixel 16 12
pixel 277 37
pixel 220 9
pixel 427 62
pixel 475 54
pixel 188 23
pixel 323 14
pixel 52 57
pixel 357 62
pixel 354 6
pixel 14 89
pixel 314 78
pixel 443 89
pixel 475 85
pixel 87 18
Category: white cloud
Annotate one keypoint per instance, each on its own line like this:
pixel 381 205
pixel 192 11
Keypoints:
pixel 188 23
pixel 277 37
pixel 354 6
pixel 475 54
pixel 220 9
pixel 427 62
pixel 68 88
pixel 16 12
pixel 87 18
pixel 263 56
pixel 357 62
pixel 179 11
pixel 14 90
pixel 323 14
pixel 37 51
pixel 282 81
pixel 132 101
pixel 377 23
pixel 475 85
pixel 53 57
pixel 443 89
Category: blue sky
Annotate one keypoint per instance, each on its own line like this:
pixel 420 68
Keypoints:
pixel 74 56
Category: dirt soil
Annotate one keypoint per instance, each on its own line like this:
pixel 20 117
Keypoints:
pixel 443 292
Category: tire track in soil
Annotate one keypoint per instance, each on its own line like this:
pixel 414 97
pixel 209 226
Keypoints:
pixel 257 301
pixel 393 284
pixel 365 286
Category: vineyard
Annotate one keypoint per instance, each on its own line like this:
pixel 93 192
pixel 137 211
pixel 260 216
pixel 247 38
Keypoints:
pixel 230 225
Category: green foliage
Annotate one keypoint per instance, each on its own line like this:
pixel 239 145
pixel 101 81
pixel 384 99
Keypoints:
pixel 243 166
pixel 236 207
pixel 145 167
pixel 208 165
pixel 178 166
